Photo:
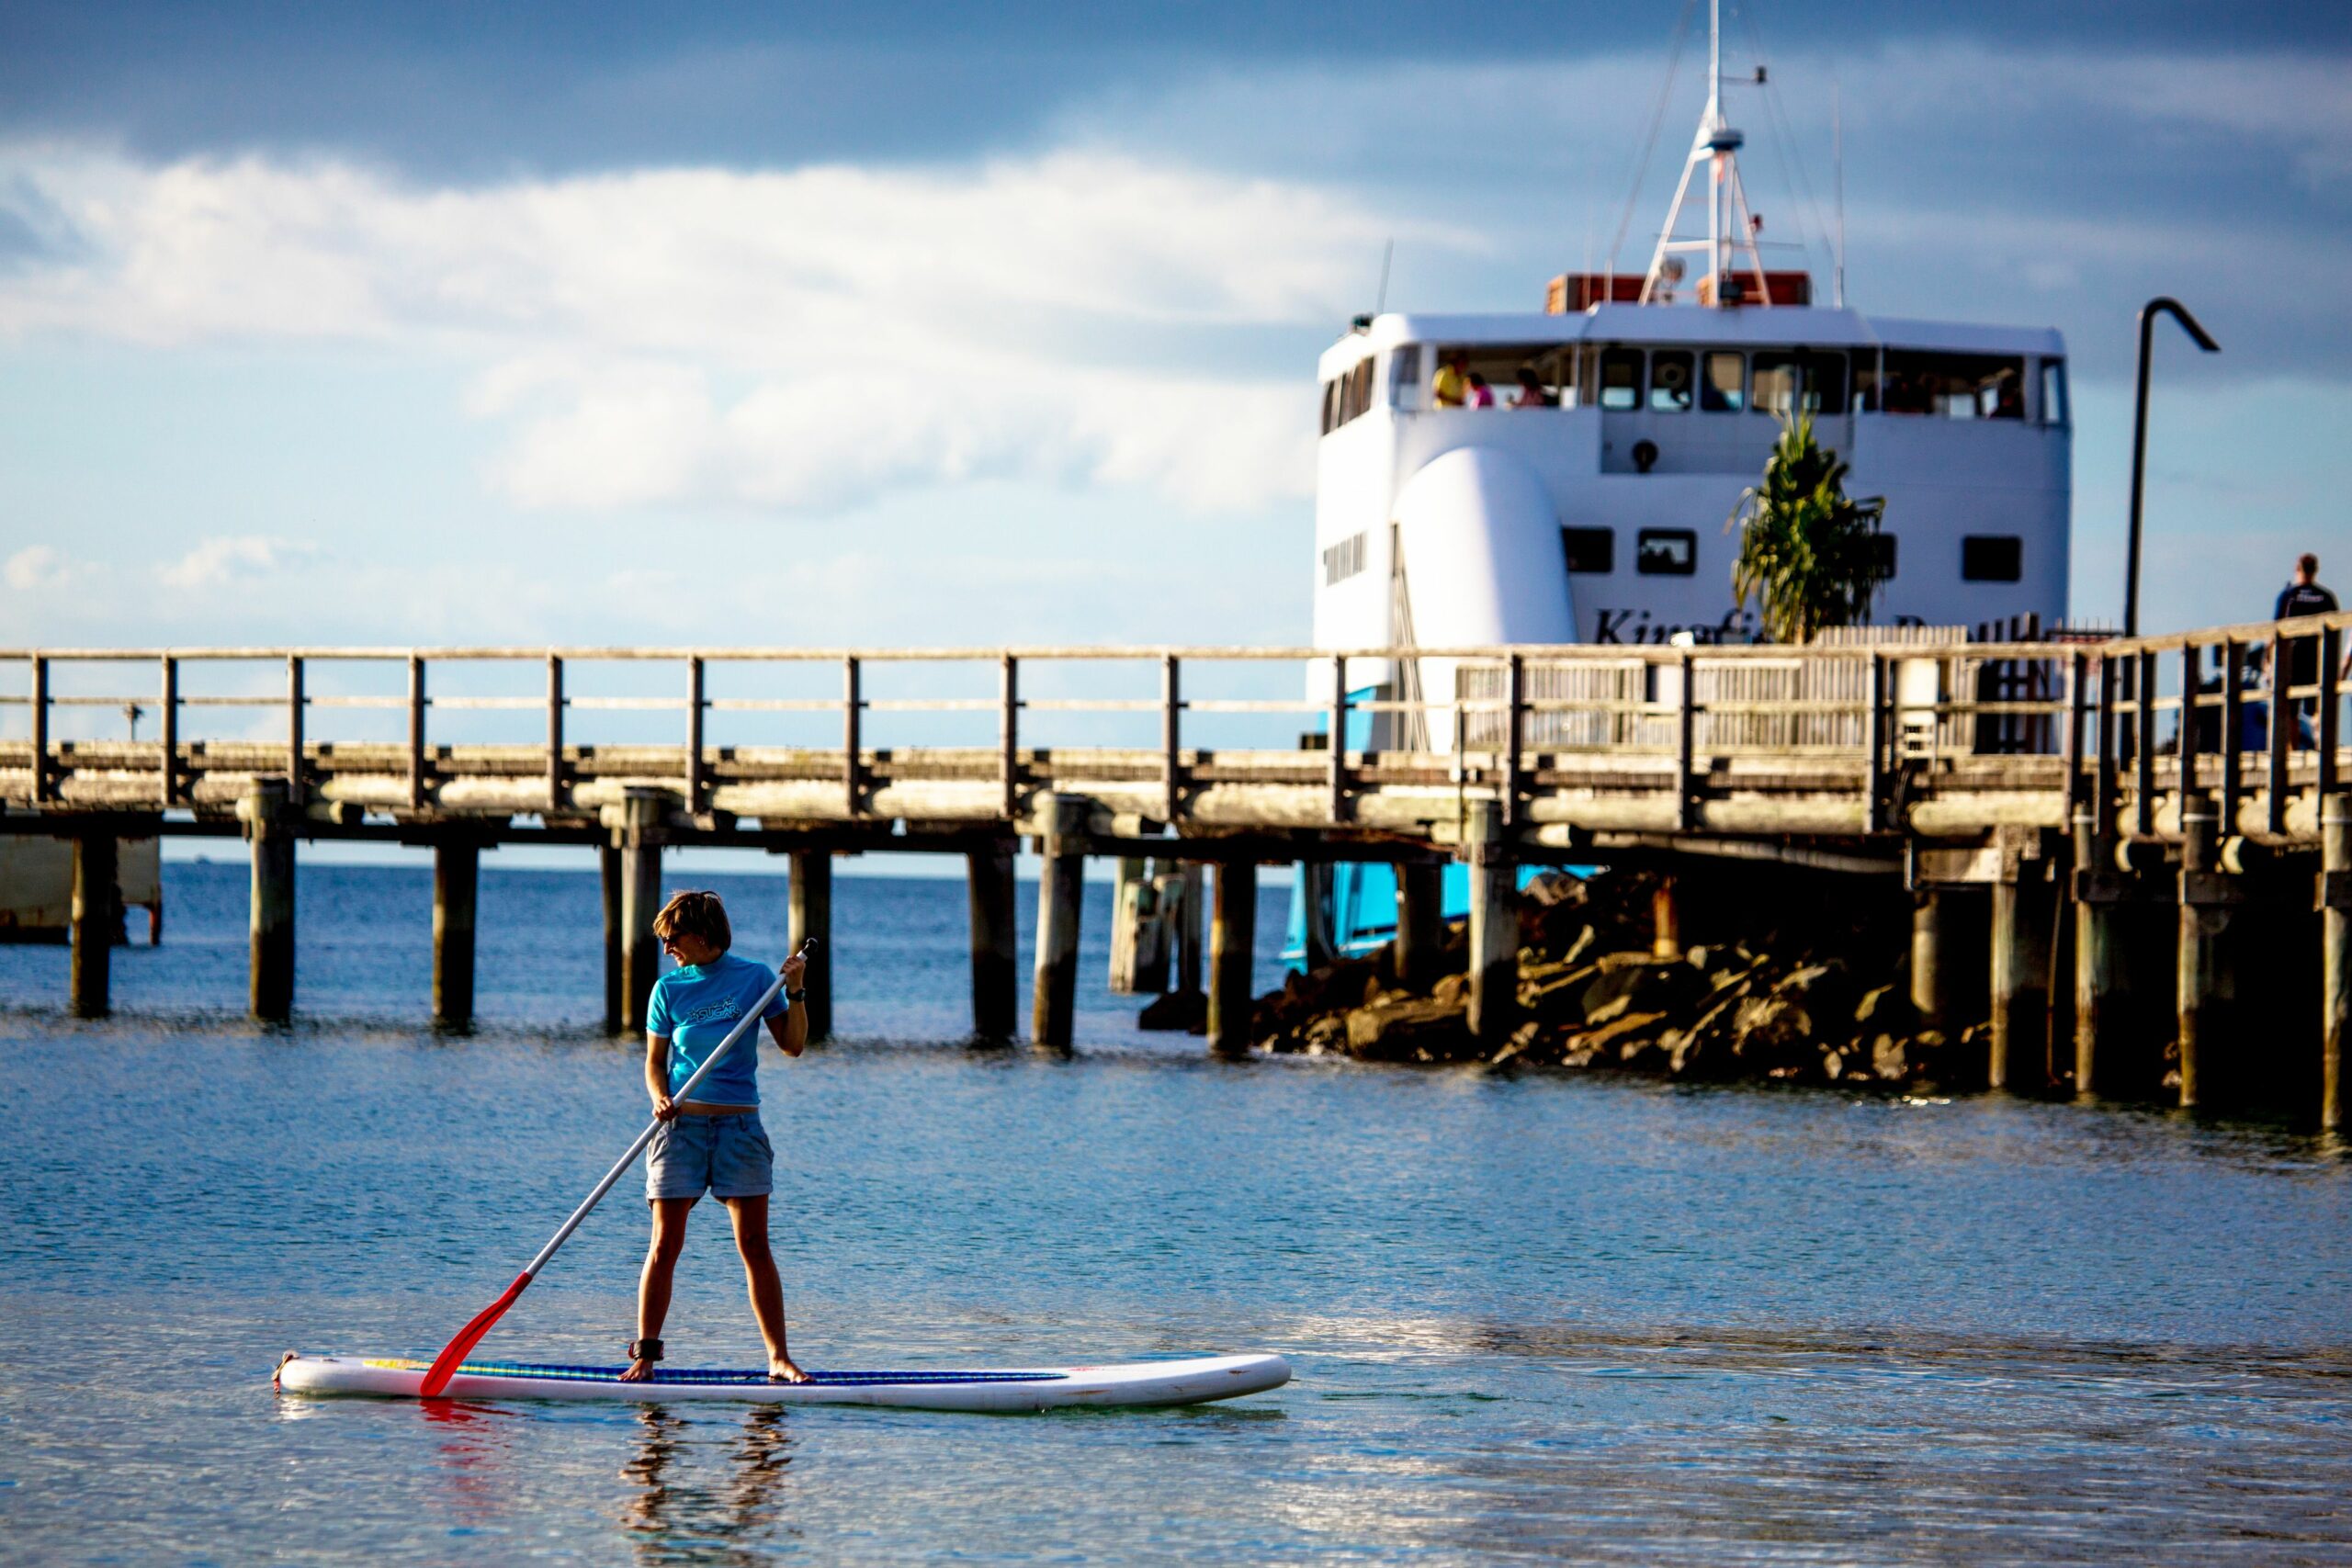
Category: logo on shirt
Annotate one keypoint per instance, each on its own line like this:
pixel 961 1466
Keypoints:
pixel 712 1013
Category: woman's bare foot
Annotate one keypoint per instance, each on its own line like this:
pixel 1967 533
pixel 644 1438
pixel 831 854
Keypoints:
pixel 639 1371
pixel 784 1369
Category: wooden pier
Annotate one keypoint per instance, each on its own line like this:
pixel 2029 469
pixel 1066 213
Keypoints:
pixel 2056 808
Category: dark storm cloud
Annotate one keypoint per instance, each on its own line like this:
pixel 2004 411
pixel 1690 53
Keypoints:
pixel 470 91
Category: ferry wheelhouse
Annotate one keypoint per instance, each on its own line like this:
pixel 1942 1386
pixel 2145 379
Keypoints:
pixel 1586 498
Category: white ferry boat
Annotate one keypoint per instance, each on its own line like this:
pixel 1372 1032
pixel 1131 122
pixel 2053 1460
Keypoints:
pixel 1583 495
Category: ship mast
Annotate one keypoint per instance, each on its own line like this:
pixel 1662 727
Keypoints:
pixel 1730 229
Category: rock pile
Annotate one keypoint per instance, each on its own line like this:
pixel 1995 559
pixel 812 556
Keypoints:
pixel 1804 978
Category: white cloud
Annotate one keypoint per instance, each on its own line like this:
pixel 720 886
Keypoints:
pixel 232 557
pixel 34 567
pixel 785 339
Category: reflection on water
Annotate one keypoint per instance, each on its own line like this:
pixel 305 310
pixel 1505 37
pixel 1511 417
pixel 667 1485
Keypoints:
pixel 473 1443
pixel 1534 1317
pixel 678 1515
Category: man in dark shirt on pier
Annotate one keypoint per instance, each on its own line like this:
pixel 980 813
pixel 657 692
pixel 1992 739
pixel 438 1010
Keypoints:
pixel 2299 655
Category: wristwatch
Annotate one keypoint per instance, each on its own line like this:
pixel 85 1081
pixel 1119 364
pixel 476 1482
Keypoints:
pixel 792 998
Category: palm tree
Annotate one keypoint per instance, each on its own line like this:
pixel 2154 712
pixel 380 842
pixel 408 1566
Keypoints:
pixel 1807 549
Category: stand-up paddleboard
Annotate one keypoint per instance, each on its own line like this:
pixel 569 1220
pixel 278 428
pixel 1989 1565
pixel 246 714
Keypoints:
pixel 1135 1384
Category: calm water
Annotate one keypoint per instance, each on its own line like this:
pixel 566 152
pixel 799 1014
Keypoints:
pixel 1532 1318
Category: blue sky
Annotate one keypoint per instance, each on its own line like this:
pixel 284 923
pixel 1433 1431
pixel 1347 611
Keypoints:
pixel 890 324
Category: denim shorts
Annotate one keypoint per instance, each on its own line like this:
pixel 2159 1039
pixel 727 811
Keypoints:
pixel 728 1157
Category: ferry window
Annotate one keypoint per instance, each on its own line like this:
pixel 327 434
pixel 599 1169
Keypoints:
pixel 1882 557
pixel 1666 552
pixel 1777 380
pixel 1670 381
pixel 2053 391
pixel 1591 549
pixel 1621 378
pixel 1788 383
pixel 1725 389
pixel 1825 382
pixel 1954 386
pixel 1347 396
pixel 1867 384
pixel 1992 558
pixel 1404 375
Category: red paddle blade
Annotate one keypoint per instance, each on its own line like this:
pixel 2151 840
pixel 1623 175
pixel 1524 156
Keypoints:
pixel 453 1355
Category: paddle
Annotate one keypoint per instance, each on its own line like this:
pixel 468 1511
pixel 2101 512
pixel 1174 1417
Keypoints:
pixel 453 1355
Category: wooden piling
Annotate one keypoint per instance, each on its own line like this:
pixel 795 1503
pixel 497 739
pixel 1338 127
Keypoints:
pixel 1666 920
pixel 2102 1014
pixel 1131 912
pixel 812 914
pixel 1494 926
pixel 2019 1055
pixel 269 828
pixel 609 857
pixel 1061 890
pixel 643 812
pixel 1155 927
pixel 1930 995
pixel 2335 959
pixel 96 921
pixel 996 941
pixel 457 869
pixel 2207 980
pixel 1233 941
pixel 1420 925
pixel 1193 898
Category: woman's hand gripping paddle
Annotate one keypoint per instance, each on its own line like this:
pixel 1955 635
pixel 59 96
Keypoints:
pixel 453 1355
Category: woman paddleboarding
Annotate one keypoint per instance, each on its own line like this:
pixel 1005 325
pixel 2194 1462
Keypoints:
pixel 713 1143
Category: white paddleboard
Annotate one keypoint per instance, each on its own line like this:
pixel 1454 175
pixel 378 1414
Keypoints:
pixel 1191 1382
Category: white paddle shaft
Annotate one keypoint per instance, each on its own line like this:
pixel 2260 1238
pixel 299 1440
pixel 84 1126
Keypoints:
pixel 620 1166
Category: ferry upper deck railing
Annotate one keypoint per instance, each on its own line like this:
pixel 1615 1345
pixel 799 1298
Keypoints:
pixel 2121 728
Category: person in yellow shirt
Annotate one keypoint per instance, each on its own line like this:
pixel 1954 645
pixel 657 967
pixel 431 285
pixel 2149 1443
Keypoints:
pixel 1451 387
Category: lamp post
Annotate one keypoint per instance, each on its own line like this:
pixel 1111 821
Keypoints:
pixel 2162 305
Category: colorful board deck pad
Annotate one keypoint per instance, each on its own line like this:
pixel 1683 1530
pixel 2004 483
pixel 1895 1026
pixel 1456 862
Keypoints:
pixel 1191 1382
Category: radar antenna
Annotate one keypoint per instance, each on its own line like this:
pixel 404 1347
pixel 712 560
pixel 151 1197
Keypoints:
pixel 1730 230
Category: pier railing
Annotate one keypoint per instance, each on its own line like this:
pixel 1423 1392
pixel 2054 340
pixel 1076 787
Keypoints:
pixel 2096 789
pixel 1858 738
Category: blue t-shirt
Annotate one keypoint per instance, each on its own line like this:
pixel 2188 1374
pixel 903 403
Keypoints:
pixel 695 1006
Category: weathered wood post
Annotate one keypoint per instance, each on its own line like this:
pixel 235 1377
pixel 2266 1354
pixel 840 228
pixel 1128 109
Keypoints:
pixel 457 869
pixel 643 817
pixel 2336 961
pixel 996 940
pixel 1666 920
pixel 1233 942
pixel 270 829
pixel 812 914
pixel 609 860
pixel 1930 994
pixel 1131 911
pixel 1188 927
pixel 2103 1006
pixel 1420 924
pixel 2208 981
pixel 1156 931
pixel 1494 926
pixel 2019 1055
pixel 1061 891
pixel 97 920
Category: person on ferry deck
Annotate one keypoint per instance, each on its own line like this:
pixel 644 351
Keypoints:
pixel 1530 393
pixel 1481 395
pixel 2304 596
pixel 1451 389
